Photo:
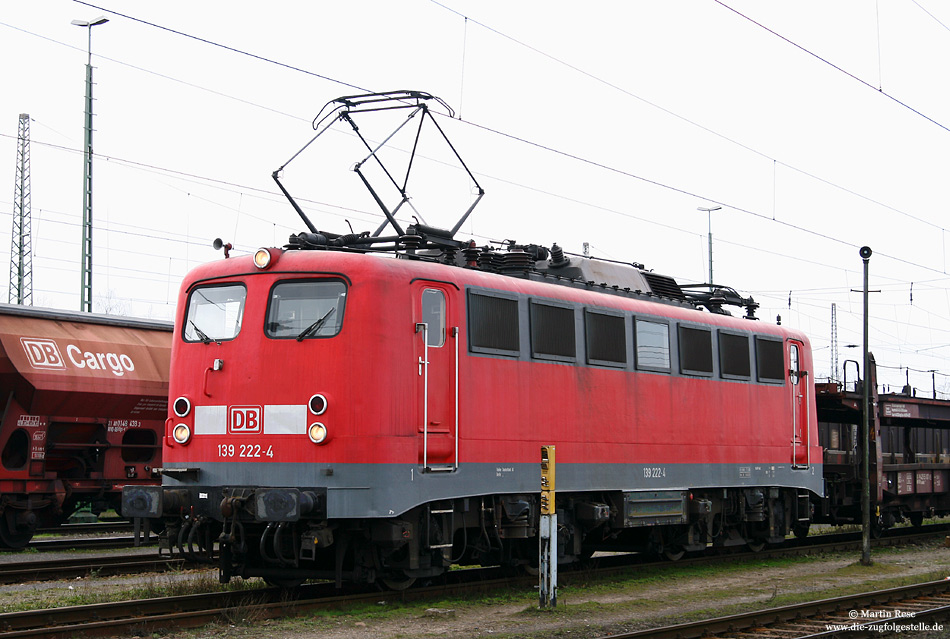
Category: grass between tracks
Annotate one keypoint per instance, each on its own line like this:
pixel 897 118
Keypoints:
pixel 90 590
pixel 588 606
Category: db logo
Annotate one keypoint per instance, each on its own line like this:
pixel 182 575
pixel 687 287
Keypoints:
pixel 43 353
pixel 244 419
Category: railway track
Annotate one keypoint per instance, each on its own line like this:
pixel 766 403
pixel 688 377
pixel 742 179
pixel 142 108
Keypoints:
pixel 907 609
pixel 85 543
pixel 857 615
pixel 199 609
pixel 120 525
pixel 188 611
pixel 56 569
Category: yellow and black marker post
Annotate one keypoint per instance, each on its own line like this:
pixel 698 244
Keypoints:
pixel 547 546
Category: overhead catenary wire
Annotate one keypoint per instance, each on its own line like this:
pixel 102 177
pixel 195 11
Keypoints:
pixel 641 218
pixel 578 158
pixel 689 121
pixel 575 157
pixel 831 64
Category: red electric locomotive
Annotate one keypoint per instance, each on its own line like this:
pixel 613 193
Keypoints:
pixel 365 408
pixel 85 399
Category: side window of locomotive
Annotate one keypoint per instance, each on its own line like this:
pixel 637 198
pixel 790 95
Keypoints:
pixel 653 345
pixel 214 313
pixel 305 309
pixel 552 332
pixel 493 324
pixel 793 369
pixel 606 339
pixel 433 315
pixel 695 350
pixel 769 360
pixel 734 361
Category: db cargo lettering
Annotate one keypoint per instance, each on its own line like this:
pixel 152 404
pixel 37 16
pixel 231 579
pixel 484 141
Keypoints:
pixel 117 364
pixel 44 354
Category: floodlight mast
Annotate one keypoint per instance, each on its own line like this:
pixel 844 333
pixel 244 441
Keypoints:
pixel 86 286
pixel 343 109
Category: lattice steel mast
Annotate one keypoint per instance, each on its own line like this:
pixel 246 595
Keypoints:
pixel 834 343
pixel 21 252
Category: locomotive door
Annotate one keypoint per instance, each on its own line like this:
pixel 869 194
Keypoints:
pixel 798 395
pixel 437 356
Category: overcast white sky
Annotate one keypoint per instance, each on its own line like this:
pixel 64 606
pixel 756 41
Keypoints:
pixel 601 122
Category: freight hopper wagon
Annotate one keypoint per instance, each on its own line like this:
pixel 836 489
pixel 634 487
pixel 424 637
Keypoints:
pixel 909 454
pixel 363 407
pixel 84 401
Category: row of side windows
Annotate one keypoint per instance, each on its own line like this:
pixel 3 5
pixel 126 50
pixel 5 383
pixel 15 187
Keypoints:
pixel 494 327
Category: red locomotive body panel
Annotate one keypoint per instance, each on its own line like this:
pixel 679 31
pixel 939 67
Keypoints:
pixel 85 405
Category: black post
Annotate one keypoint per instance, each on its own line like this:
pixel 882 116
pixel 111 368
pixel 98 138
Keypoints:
pixel 865 434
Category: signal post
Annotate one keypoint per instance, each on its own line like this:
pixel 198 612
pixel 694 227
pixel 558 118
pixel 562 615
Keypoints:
pixel 547 546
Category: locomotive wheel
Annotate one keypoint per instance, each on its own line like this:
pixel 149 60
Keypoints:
pixel 284 582
pixel 756 545
pixel 674 553
pixel 397 581
pixel 801 530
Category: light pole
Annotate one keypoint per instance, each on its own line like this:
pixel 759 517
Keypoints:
pixel 709 213
pixel 86 290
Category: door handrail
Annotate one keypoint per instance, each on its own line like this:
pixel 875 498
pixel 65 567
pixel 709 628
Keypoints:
pixel 424 371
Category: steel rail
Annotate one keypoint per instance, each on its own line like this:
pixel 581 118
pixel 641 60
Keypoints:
pixel 97 527
pixel 70 568
pixel 853 616
pixel 85 543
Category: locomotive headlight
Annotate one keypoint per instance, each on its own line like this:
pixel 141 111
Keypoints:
pixel 317 404
pixel 262 258
pixel 182 407
pixel 317 433
pixel 181 433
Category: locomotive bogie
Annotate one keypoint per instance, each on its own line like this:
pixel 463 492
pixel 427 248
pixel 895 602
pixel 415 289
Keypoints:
pixel 488 530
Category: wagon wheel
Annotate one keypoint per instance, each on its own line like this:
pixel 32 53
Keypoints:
pixel 396 580
pixel 801 530
pixel 916 519
pixel 10 536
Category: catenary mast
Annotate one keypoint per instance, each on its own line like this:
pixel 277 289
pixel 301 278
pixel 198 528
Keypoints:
pixel 21 252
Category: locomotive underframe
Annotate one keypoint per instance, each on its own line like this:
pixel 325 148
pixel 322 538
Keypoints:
pixel 242 531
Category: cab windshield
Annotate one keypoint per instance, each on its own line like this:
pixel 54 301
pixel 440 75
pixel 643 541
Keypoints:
pixel 305 309
pixel 214 313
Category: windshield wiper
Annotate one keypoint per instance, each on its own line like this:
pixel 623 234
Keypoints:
pixel 202 335
pixel 313 328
